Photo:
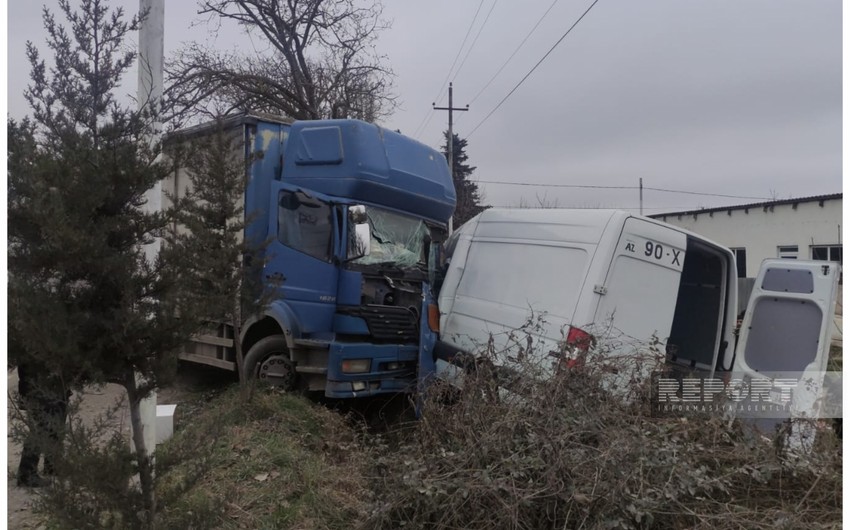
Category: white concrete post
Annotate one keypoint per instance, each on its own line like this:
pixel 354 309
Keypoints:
pixel 150 62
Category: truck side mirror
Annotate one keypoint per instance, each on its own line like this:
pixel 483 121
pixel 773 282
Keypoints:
pixel 361 242
pixel 360 233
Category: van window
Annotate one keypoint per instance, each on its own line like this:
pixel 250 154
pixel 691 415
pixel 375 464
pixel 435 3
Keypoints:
pixel 787 251
pixel 528 277
pixel 783 335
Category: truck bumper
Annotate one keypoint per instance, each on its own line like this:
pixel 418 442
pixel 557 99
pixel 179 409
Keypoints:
pixel 392 369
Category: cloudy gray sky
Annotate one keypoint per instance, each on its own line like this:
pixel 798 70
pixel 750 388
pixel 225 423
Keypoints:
pixel 730 97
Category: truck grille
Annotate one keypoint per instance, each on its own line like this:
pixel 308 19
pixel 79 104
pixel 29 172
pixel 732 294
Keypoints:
pixel 387 323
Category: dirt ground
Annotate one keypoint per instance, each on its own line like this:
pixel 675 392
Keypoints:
pixel 93 402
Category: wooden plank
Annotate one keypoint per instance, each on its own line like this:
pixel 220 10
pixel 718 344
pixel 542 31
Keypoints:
pixel 205 359
pixel 212 339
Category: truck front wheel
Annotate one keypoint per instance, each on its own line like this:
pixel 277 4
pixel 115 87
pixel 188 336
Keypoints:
pixel 268 361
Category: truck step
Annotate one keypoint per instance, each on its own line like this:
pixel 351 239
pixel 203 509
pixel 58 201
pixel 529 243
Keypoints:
pixel 321 370
pixel 312 343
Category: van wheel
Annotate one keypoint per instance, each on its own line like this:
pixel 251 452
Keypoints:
pixel 268 361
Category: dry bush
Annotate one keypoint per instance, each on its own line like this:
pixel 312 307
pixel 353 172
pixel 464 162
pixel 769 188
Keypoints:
pixel 565 451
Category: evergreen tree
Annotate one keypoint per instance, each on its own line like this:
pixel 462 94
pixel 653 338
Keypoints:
pixel 468 196
pixel 83 297
pixel 220 267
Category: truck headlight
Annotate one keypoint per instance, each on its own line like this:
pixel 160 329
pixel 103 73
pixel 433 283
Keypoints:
pixel 355 366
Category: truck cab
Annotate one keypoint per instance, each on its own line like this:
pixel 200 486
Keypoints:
pixel 351 215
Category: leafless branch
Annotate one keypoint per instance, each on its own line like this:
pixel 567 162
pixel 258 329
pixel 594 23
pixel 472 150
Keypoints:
pixel 321 63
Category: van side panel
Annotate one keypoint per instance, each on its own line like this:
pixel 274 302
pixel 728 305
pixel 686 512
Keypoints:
pixel 502 299
pixel 524 269
pixel 456 262
pixel 641 286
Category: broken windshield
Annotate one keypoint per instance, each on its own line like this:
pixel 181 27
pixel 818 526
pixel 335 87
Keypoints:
pixel 395 239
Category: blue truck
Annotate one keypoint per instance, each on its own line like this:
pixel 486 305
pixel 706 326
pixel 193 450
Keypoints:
pixel 354 216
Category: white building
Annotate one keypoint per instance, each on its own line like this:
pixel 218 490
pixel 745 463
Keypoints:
pixel 803 228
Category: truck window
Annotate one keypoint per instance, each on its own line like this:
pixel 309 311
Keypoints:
pixel 305 224
pixel 396 239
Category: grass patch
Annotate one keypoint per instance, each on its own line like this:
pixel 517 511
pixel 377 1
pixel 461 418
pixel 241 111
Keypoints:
pixel 277 462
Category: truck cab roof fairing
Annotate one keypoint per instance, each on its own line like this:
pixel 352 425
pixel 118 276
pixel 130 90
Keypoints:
pixel 361 161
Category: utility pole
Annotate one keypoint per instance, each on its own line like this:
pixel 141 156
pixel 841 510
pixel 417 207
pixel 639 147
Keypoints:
pixel 640 182
pixel 451 140
pixel 150 87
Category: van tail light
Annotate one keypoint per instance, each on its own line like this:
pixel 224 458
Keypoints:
pixel 577 345
pixel 434 318
pixel 579 340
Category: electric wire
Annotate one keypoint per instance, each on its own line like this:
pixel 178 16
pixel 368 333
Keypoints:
pixel 471 46
pixel 424 123
pixel 708 194
pixel 516 50
pixel 674 209
pixel 533 68
pixel 588 186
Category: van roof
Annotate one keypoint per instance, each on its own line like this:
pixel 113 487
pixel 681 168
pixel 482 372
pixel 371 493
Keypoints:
pixel 569 224
pixel 577 224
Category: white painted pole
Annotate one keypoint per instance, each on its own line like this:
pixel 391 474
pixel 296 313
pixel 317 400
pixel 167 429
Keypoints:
pixel 151 58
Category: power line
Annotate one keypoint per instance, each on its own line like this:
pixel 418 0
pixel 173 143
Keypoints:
pixel 423 124
pixel 521 44
pixel 430 113
pixel 709 194
pixel 471 46
pixel 688 208
pixel 585 186
pixel 533 68
pixel 559 185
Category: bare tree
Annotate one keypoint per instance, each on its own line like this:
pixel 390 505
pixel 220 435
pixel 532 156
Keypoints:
pixel 319 62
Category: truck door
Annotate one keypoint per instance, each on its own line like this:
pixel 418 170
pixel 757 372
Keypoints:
pixel 301 255
pixel 787 326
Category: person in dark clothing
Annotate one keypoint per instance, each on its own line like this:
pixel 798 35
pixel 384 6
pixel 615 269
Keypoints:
pixel 44 395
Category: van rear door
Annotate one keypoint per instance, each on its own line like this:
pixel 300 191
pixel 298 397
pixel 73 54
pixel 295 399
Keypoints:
pixel 638 297
pixel 787 325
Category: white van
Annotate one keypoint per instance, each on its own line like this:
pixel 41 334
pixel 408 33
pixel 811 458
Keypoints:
pixel 634 280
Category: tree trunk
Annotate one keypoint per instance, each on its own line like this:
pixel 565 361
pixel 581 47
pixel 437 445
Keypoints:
pixel 143 456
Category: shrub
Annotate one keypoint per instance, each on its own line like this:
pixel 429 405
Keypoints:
pixel 565 451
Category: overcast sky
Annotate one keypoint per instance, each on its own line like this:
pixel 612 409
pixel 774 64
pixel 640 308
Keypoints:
pixel 735 97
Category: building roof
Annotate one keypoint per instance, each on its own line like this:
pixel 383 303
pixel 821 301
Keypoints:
pixel 767 204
